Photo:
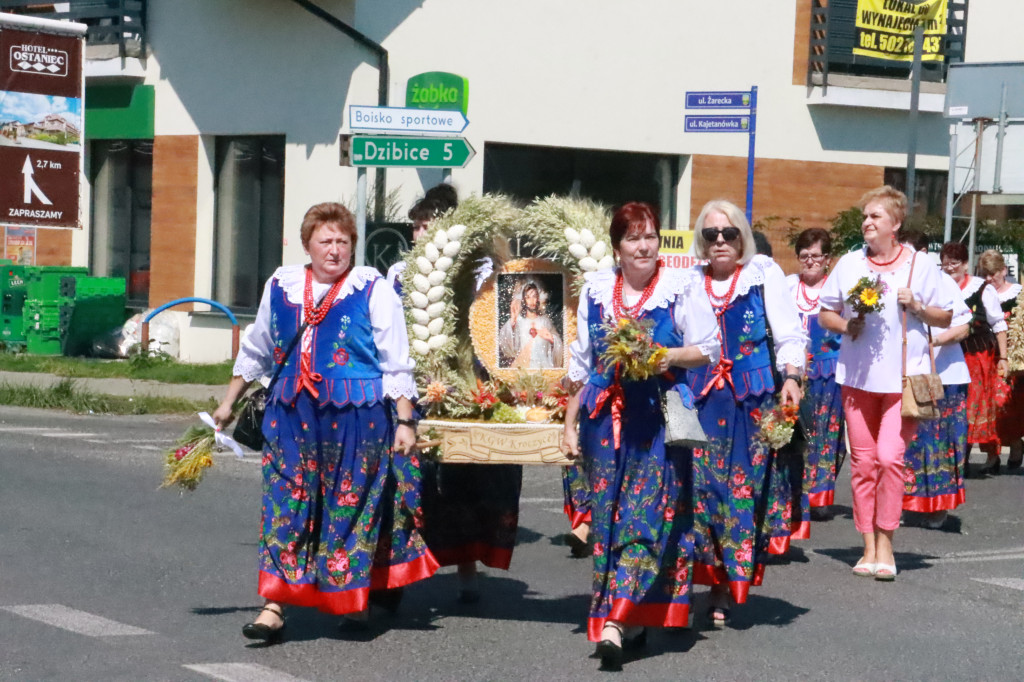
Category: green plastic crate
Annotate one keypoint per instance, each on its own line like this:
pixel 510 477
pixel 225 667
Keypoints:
pixel 42 344
pixel 44 283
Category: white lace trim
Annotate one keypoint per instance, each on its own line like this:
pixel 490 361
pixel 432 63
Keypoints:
pixel 973 284
pixel 671 284
pixel 292 279
pixel 751 274
pixel 791 354
pixel 1009 293
pixel 400 385
pixel 577 373
pixel 248 368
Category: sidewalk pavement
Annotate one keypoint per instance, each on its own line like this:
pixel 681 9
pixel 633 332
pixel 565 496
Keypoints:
pixel 120 387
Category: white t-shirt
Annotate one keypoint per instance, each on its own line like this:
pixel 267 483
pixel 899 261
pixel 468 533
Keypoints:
pixel 989 300
pixel 949 359
pixel 872 362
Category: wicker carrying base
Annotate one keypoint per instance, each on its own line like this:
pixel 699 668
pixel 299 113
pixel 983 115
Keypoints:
pixel 483 443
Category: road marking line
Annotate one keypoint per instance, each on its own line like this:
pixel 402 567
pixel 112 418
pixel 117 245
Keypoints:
pixel 541 500
pixel 24 429
pixel 68 434
pixel 243 672
pixel 966 559
pixel 46 432
pixel 1012 583
pixel 988 552
pixel 83 623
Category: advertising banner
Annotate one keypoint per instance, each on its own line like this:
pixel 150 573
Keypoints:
pixel 885 29
pixel 41 126
pixel 20 245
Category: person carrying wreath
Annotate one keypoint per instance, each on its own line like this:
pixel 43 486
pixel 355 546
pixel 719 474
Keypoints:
pixel 1010 413
pixel 741 486
pixel 824 438
pixel 870 365
pixel 341 506
pixel 639 516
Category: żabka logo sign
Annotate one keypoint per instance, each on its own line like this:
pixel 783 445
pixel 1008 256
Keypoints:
pixel 45 61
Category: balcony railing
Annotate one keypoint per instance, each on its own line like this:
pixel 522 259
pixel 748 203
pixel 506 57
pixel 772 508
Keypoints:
pixel 116 24
pixel 832 39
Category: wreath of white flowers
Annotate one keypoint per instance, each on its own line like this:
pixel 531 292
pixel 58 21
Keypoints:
pixel 440 268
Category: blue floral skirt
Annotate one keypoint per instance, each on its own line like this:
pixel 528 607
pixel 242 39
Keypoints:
pixel 825 440
pixel 576 492
pixel 933 464
pixel 741 495
pixel 341 511
pixel 640 522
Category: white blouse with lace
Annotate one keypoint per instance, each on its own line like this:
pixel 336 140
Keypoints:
pixel 256 351
pixel 692 316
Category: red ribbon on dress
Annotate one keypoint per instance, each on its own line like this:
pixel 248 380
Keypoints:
pixel 308 379
pixel 720 377
pixel 615 394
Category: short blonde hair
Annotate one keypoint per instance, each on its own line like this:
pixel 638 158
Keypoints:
pixel 991 262
pixel 748 249
pixel 893 200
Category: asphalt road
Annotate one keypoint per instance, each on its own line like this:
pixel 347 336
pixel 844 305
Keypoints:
pixel 105 577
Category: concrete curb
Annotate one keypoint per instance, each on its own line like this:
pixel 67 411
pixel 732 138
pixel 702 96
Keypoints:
pixel 119 387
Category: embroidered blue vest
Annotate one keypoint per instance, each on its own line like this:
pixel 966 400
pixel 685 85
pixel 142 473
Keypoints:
pixel 744 332
pixel 342 349
pixel 822 350
pixel 601 376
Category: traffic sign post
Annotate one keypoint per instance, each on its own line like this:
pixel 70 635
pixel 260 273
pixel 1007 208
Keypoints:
pixel 382 151
pixel 405 120
pixel 734 123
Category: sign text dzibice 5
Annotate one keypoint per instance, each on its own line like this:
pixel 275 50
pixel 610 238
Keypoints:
pixel 416 152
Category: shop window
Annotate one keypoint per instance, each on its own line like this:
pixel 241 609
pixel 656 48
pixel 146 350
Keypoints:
pixel 608 177
pixel 121 174
pixel 929 190
pixel 249 187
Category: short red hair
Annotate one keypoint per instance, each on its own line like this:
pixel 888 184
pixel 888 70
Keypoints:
pixel 632 217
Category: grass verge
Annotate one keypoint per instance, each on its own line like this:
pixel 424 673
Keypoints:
pixel 142 367
pixel 66 395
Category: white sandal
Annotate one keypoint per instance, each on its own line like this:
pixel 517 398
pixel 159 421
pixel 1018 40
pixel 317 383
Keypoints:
pixel 889 573
pixel 865 569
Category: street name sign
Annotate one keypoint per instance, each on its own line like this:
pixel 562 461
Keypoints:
pixel 717 124
pixel 405 120
pixel 718 100
pixel 382 151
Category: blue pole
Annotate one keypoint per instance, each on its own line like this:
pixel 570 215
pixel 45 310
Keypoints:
pixel 750 153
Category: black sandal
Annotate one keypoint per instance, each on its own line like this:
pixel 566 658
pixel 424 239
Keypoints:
pixel 263 632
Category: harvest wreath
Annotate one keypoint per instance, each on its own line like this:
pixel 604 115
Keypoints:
pixel 490 332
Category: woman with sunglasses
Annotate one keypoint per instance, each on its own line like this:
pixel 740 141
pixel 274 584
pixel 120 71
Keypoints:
pixel 639 516
pixel 984 350
pixel 870 366
pixel 822 406
pixel 741 490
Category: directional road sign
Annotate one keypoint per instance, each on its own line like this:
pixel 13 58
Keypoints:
pixel 718 100
pixel 376 151
pixel 402 120
pixel 717 124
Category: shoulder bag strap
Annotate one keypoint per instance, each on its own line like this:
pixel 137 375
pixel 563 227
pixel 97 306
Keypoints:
pixel 903 314
pixel 291 347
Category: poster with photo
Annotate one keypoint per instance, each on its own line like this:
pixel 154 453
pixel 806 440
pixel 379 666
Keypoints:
pixel 530 323
pixel 20 245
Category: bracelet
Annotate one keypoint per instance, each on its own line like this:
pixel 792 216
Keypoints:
pixel 411 423
pixel 795 377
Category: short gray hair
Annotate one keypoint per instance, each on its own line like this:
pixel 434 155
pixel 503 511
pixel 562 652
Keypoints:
pixel 736 218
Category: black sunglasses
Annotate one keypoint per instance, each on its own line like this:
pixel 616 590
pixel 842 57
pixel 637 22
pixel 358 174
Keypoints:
pixel 729 234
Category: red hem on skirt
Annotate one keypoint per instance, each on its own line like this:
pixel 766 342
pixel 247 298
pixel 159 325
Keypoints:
pixel 577 518
pixel 651 615
pixel 492 557
pixel 348 601
pixel 716 575
pixel 822 499
pixel 801 530
pixel 400 575
pixel 780 545
pixel 936 503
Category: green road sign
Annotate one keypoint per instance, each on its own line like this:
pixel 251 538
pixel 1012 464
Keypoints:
pixel 375 151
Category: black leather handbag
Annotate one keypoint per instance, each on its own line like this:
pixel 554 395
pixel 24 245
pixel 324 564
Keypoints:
pixel 249 427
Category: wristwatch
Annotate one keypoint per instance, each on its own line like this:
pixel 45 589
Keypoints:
pixel 411 423
pixel 795 377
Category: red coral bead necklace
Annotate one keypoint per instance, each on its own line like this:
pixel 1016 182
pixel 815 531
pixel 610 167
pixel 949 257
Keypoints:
pixel 720 303
pixel 619 308
pixel 312 313
pixel 812 303
pixel 887 263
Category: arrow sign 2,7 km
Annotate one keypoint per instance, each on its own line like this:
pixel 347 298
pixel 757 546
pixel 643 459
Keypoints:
pixel 377 151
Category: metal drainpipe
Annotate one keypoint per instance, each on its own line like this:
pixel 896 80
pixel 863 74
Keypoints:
pixel 384 74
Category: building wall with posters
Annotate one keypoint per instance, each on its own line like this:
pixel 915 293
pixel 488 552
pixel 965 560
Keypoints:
pixel 575 96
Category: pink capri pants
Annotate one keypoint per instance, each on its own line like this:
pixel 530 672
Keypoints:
pixel 878 438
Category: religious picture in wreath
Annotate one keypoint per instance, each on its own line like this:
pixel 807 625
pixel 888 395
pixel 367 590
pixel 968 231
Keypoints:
pixel 530 320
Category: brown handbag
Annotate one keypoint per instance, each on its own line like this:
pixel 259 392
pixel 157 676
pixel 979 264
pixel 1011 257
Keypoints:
pixel 921 392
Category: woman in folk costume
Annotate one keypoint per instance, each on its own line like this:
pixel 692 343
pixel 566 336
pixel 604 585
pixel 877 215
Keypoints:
pixel 933 474
pixel 470 511
pixel 639 518
pixel 822 405
pixel 1009 415
pixel 984 350
pixel 340 484
pixel 741 489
